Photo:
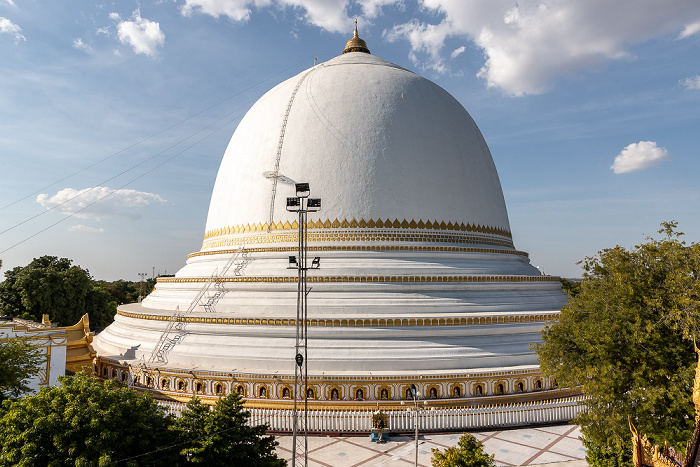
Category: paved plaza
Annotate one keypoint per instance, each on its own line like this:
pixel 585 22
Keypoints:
pixel 556 446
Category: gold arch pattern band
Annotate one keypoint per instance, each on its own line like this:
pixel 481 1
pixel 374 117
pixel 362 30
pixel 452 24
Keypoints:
pixel 285 249
pixel 361 224
pixel 330 322
pixel 358 236
pixel 364 279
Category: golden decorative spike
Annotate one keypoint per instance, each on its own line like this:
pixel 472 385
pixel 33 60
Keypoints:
pixel 356 44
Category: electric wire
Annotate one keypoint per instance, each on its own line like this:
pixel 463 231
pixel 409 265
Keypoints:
pixel 127 183
pixel 151 136
pixel 166 448
pixel 83 192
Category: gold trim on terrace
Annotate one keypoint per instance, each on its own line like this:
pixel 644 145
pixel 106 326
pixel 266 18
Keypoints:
pixel 353 224
pixel 285 249
pixel 162 280
pixel 360 236
pixel 348 322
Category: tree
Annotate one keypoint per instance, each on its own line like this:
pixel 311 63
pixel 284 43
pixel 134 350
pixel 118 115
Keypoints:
pixel 19 361
pixel 626 340
pixel 222 436
pixel 49 285
pixel 469 452
pixel 83 422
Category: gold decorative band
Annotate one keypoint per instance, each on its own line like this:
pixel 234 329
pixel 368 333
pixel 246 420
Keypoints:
pixel 330 322
pixel 353 224
pixel 456 249
pixel 364 279
pixel 359 236
pixel 338 393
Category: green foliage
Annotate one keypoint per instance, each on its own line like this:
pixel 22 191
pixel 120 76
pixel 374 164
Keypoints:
pixel 49 285
pixel 608 456
pixel 625 340
pixel 572 288
pixel 84 423
pixel 122 291
pixel 52 286
pixel 19 361
pixel 469 452
pixel 222 437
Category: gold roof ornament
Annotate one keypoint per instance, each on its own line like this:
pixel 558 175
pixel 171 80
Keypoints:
pixel 356 44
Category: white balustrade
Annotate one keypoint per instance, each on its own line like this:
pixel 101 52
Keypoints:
pixel 429 419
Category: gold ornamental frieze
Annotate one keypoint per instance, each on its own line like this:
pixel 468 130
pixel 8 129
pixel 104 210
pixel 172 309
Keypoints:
pixel 286 249
pixel 359 236
pixel 340 392
pixel 507 279
pixel 361 224
pixel 349 322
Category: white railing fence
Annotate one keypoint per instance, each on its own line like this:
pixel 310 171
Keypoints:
pixel 429 419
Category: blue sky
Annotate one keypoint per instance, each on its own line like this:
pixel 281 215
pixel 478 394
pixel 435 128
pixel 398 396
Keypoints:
pixel 591 111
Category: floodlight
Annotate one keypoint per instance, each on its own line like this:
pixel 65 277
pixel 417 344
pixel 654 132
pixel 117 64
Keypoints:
pixel 316 263
pixel 293 263
pixel 293 204
pixel 313 204
pixel 303 190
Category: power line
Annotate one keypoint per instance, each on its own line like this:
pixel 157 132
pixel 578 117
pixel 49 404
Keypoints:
pixel 166 448
pixel 124 185
pixel 126 171
pixel 150 137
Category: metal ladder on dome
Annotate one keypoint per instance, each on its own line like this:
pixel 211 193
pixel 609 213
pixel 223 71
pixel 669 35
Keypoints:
pixel 280 142
pixel 241 258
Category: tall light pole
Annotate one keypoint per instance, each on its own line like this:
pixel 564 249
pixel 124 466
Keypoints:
pixel 301 204
pixel 415 394
pixel 141 275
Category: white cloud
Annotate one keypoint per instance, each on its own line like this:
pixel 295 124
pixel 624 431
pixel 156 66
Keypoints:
pixel 638 156
pixel 424 38
pixel 327 14
pixel 79 44
pixel 689 30
pixel 98 202
pixel 458 51
pixel 528 44
pixel 85 228
pixel 691 83
pixel 10 2
pixel 115 16
pixel 236 10
pixel 8 27
pixel 142 35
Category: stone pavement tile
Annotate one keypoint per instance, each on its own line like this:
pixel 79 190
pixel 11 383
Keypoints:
pixel 569 446
pixel 528 437
pixel 510 447
pixel 563 464
pixel 342 454
pixel 561 429
pixel 508 453
pixel 549 457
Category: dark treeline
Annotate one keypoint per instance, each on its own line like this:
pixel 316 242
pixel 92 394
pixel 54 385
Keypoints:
pixel 54 286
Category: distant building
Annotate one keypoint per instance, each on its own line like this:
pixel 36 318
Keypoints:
pixel 67 349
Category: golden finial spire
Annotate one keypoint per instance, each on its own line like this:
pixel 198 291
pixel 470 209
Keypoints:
pixel 356 44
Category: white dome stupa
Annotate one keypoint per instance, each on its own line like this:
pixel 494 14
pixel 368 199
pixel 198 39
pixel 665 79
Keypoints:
pixel 419 279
